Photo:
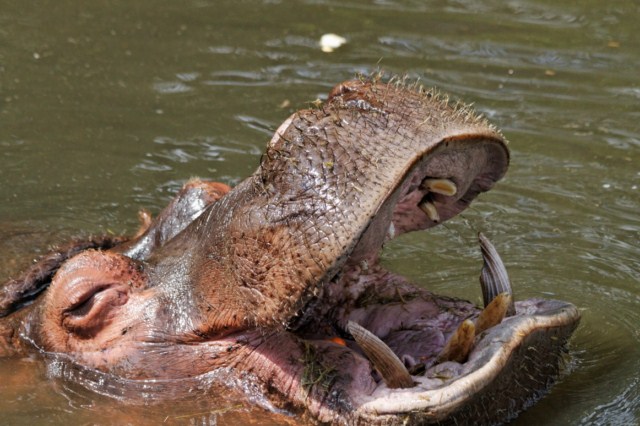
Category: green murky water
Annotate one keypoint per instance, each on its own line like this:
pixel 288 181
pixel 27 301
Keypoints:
pixel 107 106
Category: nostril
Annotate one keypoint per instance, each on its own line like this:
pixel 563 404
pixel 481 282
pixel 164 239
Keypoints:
pixel 81 310
pixel 92 307
pixel 89 293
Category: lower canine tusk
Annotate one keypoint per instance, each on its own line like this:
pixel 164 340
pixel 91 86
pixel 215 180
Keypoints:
pixel 493 277
pixel 392 370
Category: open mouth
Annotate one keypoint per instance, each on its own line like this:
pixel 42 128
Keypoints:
pixel 432 357
pixel 298 243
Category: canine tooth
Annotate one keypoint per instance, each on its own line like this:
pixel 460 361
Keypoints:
pixel 493 277
pixel 392 370
pixel 430 210
pixel 494 313
pixel 460 344
pixel 440 186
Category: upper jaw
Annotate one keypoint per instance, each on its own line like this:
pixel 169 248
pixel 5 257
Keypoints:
pixel 431 189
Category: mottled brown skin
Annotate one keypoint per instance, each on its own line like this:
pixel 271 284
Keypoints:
pixel 255 282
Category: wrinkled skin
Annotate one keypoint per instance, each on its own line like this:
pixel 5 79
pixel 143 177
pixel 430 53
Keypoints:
pixel 258 282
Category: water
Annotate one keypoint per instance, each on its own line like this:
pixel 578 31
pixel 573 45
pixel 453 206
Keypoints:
pixel 106 107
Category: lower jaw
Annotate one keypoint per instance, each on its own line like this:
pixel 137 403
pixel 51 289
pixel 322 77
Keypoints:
pixel 499 380
pixel 510 366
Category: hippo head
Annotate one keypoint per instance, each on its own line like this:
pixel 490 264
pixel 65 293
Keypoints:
pixel 277 282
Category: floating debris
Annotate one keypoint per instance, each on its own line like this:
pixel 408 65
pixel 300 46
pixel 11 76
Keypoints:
pixel 285 104
pixel 330 42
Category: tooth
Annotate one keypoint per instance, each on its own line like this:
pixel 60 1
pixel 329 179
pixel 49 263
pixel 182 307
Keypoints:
pixel 493 277
pixel 430 209
pixel 494 313
pixel 460 344
pixel 391 232
pixel 440 186
pixel 392 370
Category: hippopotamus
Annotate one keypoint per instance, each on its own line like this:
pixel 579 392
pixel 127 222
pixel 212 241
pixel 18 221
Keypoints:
pixel 276 285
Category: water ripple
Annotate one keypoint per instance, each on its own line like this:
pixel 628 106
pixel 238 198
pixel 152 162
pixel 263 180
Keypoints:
pixel 169 87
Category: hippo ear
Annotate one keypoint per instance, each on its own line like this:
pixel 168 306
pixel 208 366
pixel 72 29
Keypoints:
pixel 89 290
pixel 193 199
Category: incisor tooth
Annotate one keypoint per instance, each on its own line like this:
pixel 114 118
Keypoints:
pixel 430 210
pixel 440 186
pixel 392 370
pixel 460 344
pixel 494 313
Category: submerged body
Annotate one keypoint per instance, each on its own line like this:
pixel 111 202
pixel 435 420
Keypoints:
pixel 277 282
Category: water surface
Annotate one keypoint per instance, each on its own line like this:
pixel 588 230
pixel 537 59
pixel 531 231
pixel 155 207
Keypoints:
pixel 106 107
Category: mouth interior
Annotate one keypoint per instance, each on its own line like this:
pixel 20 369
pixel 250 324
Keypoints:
pixel 415 324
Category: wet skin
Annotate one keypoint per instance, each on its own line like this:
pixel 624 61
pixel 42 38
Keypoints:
pixel 277 283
